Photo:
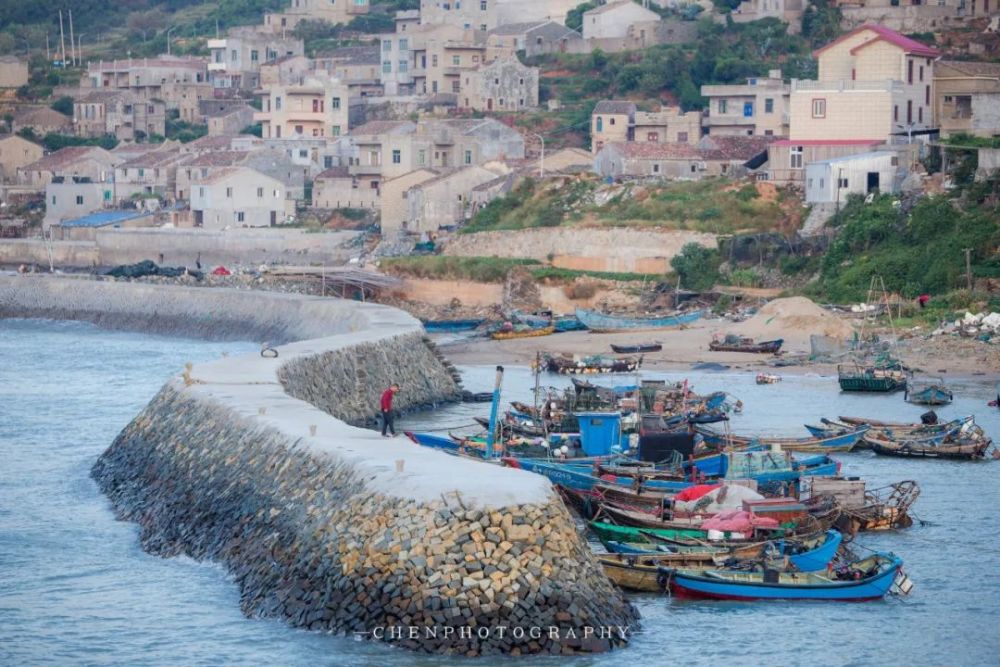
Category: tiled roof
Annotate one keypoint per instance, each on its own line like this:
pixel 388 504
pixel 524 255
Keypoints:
pixel 67 156
pixel 615 107
pixel 515 28
pixel 218 159
pixel 612 6
pixel 353 55
pixel 209 143
pixel 990 70
pixel 226 174
pixel 334 172
pixel 220 112
pixel 910 46
pixel 103 96
pixel 384 127
pixel 151 159
pixel 737 147
pixel 42 116
pixel 656 150
pixel 827 142
pixel 137 63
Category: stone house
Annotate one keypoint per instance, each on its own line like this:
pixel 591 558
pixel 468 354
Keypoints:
pixel 239 197
pixel 524 35
pixel 428 59
pixel 613 19
pixel 789 11
pixel 16 152
pixel 669 124
pixel 336 187
pixel 832 181
pixel 444 201
pixel 874 83
pixel 42 120
pixel 788 158
pixel 90 162
pixel 121 114
pixel 611 121
pixel 967 97
pixel 235 60
pixel 760 106
pixel 503 85
pixel 317 106
pixel 13 72
pixel 150 173
pixel 314 10
pixel 394 209
pixel 229 120
pixel 286 69
pixel 356 66
pixel 71 197
pixel 709 157
pixel 160 78
pixel 276 164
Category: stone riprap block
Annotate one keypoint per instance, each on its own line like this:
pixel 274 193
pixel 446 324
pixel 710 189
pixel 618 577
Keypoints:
pixel 251 462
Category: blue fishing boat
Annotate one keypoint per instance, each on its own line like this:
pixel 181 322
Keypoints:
pixel 451 326
pixel 927 391
pixel 839 442
pixel 568 323
pixel 448 444
pixel 596 321
pixel 804 557
pixel 868 579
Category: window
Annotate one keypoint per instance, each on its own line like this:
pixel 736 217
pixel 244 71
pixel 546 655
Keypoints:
pixel 397 156
pixel 142 172
pixel 822 183
pixel 229 193
pixel 795 157
pixel 895 112
pixel 240 216
pixel 201 192
pixel 842 183
pixel 652 137
pixel 599 124
pixel 277 103
pixel 317 105
pixel 387 45
pixel 386 67
pixel 254 56
pixel 260 193
pixel 920 114
pixel 404 44
pixel 468 157
pixel 456 86
pixel 819 108
pixel 921 72
pixel 298 130
pixel 768 133
pixel 79 200
pixel 611 121
pixel 456 60
pixel 768 105
pixel 722 106
pixel 496 82
pixel 403 66
pixel 421 157
pixel 232 55
pixel 682 137
pixel 909 71
pixel 482 5
pixel 277 131
pixel 909 112
pixel 694 168
pixel 927 95
pixel 434 60
pixel 335 130
pixel 373 185
pixel 656 168
pixel 302 152
pixel 748 109
pixel 475 58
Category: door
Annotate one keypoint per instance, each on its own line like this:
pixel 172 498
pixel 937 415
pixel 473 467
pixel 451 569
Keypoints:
pixel 872 181
pixel 274 218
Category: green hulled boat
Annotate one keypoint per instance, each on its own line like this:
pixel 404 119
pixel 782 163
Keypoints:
pixel 880 378
pixel 611 532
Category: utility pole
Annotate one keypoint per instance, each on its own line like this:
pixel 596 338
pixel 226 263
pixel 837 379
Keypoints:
pixel 72 40
pixel 968 268
pixel 62 39
pixel 48 56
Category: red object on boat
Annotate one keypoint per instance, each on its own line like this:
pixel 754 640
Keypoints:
pixel 221 271
pixel 695 492
pixel 737 521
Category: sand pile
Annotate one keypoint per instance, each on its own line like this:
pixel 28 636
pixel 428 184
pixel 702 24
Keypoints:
pixel 794 319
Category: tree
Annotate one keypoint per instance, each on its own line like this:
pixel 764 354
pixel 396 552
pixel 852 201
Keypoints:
pixel 146 22
pixel 63 105
pixel 696 266
pixel 574 17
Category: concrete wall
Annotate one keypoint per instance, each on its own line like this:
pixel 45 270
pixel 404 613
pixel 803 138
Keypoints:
pixel 593 249
pixel 180 247
pixel 324 525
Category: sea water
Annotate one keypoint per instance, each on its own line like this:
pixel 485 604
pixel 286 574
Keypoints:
pixel 76 589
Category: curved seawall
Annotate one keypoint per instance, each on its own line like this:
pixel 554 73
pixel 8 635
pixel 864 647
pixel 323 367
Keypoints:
pixel 321 523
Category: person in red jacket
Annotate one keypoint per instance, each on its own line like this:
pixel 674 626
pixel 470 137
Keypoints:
pixel 386 405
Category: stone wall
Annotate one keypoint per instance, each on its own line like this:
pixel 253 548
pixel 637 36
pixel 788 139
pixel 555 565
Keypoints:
pixel 322 524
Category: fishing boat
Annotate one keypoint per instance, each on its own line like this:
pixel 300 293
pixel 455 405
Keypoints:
pixel 928 391
pixel 452 446
pixel 732 343
pixel 841 442
pixel 568 323
pixel 451 326
pixel 568 364
pixel 967 446
pixel 527 332
pixel 605 323
pixel 768 378
pixel 640 348
pixel 867 579
pixel 876 378
pixel 644 571
pixel 929 432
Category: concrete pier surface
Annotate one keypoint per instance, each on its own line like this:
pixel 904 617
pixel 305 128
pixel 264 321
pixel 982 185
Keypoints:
pixel 322 523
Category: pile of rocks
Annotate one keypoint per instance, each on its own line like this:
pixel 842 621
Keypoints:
pixel 309 542
pixel 979 325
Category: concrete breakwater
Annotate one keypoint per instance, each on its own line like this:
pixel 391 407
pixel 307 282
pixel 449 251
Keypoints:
pixel 325 525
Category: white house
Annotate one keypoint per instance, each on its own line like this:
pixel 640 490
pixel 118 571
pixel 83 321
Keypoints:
pixel 614 19
pixel 239 197
pixel 831 181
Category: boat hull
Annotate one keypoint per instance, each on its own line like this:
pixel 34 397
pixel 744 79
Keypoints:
pixel 601 322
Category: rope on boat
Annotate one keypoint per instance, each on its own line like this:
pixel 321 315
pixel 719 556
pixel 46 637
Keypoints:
pixel 447 428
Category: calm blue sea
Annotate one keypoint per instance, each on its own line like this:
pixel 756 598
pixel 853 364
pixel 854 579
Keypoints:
pixel 75 589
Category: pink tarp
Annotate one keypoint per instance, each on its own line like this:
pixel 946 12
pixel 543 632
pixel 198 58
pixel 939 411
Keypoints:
pixel 738 521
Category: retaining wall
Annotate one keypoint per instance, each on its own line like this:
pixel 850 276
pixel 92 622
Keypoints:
pixel 321 523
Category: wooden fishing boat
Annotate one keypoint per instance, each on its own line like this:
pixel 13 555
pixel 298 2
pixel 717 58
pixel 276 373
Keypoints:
pixel 884 378
pixel 886 508
pixel 841 442
pixel 644 572
pixel 730 343
pixel 867 579
pixel 928 391
pixel 767 378
pixel 568 364
pixel 641 348
pixel 601 322
pixel 452 446
pixel 568 323
pixel 963 447
pixel 450 326
pixel 523 333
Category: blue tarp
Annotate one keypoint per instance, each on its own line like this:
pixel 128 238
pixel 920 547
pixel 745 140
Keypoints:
pixel 104 218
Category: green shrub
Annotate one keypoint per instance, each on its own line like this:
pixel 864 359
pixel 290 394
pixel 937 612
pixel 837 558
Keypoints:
pixel 697 266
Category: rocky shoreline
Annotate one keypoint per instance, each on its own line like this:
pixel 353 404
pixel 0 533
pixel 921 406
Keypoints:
pixel 323 524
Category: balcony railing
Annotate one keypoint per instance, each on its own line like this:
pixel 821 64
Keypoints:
pixel 847 85
pixel 729 119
